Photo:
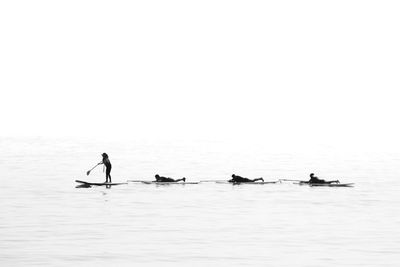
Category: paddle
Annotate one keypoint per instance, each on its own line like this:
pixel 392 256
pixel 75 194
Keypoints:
pixel 88 172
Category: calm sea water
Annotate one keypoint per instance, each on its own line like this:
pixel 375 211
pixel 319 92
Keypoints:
pixel 46 221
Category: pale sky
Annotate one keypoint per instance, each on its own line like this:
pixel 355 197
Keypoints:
pixel 300 71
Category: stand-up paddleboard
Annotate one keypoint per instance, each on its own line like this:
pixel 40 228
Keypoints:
pixel 226 182
pixel 97 184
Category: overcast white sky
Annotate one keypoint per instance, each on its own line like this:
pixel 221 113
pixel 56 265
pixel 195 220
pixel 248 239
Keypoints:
pixel 278 70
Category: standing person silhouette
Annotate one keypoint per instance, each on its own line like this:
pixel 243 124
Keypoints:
pixel 107 164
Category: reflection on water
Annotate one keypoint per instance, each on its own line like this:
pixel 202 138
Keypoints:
pixel 45 220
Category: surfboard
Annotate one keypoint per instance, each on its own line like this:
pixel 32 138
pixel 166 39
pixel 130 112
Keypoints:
pixel 334 185
pixel 150 182
pixel 97 184
pixel 226 182
pixel 329 185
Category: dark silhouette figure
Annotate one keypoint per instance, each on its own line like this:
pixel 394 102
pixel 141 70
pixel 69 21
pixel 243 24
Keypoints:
pixel 316 180
pixel 107 165
pixel 238 179
pixel 162 179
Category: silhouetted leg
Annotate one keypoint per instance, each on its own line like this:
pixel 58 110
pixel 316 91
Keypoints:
pixel 258 179
pixel 331 182
pixel 108 175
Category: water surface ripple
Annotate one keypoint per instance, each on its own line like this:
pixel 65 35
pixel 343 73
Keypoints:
pixel 45 220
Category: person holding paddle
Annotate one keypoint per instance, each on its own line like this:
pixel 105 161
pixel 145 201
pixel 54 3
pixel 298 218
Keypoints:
pixel 107 164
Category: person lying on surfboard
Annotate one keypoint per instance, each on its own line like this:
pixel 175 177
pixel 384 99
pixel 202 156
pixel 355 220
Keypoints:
pixel 316 180
pixel 238 179
pixel 161 179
